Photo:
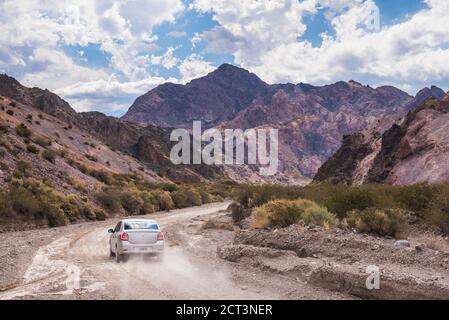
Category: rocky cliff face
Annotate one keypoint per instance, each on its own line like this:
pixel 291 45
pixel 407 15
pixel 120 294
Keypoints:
pixel 312 120
pixel 148 146
pixel 413 150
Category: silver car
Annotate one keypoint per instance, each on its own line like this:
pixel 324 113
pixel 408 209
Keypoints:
pixel 136 236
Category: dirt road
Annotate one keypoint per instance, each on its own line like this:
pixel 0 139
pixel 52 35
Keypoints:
pixel 75 264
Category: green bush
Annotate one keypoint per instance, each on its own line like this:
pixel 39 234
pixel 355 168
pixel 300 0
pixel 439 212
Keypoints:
pixel 131 202
pixel 109 200
pixel 281 213
pixel 382 222
pixel 319 216
pixel 180 199
pixel 150 203
pixel 346 200
pixel 437 215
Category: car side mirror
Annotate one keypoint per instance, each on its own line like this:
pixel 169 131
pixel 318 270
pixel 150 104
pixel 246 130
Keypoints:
pixel 111 231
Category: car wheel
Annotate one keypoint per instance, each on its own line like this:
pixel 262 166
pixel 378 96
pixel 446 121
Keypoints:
pixel 111 253
pixel 118 256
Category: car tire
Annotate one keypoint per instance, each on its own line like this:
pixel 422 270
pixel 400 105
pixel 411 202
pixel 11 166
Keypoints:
pixel 118 256
pixel 111 253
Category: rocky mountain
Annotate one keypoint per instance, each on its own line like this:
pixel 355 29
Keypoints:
pixel 215 98
pixel 148 146
pixel 37 145
pixel 412 150
pixel 312 120
pixel 43 100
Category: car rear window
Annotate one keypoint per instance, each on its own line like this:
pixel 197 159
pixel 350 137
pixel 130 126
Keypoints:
pixel 141 225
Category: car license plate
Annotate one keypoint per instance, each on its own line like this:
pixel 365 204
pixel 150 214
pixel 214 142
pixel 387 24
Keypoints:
pixel 143 249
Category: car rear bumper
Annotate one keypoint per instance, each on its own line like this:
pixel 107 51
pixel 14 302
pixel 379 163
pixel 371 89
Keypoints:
pixel 129 248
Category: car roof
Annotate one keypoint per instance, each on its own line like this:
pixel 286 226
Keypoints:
pixel 139 220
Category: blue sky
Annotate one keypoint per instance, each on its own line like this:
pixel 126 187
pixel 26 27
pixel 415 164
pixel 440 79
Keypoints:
pixel 102 54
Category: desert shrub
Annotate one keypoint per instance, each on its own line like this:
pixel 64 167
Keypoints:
pixel 24 202
pixel 149 203
pixel 24 167
pixel 88 213
pixel 32 149
pixel 281 213
pixel 165 201
pixel 131 202
pixel 348 199
pixel 238 213
pixel 205 197
pixel 55 216
pixel 49 155
pixel 34 199
pixel 100 175
pixel 437 215
pixel 3 128
pixel 417 198
pixel 29 117
pixel 72 208
pixel 109 200
pixel 100 214
pixel 10 112
pixel 23 131
pixel 42 141
pixel 180 199
pixel 193 197
pixel 13 104
pixel 319 216
pixel 382 222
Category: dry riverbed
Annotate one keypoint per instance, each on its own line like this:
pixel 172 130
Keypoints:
pixel 208 258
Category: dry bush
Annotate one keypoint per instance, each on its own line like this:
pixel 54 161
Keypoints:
pixel 319 216
pixel 382 222
pixel 217 225
pixel 282 213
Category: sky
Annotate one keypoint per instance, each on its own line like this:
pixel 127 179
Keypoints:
pixel 102 54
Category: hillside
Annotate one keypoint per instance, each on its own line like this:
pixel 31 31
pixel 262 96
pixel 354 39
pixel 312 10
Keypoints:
pixel 59 167
pixel 413 150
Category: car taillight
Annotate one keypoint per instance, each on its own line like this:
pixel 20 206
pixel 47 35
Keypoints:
pixel 124 236
pixel 160 236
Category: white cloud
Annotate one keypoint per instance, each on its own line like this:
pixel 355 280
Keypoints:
pixel 193 67
pixel 107 94
pixel 263 37
pixel 34 33
pixel 167 60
